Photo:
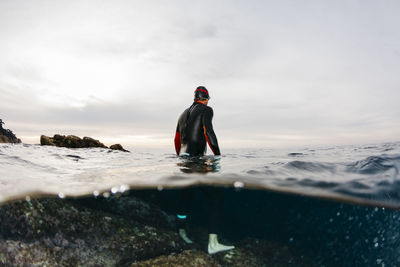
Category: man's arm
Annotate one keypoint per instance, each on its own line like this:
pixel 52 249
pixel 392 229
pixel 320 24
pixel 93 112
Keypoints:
pixel 209 131
pixel 177 140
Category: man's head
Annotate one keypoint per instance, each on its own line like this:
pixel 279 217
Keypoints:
pixel 201 95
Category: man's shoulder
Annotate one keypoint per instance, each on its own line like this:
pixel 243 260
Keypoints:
pixel 209 109
pixel 203 109
pixel 183 114
pixel 206 108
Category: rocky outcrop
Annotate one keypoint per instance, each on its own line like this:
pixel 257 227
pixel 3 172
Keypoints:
pixel 118 147
pixel 7 136
pixel 72 141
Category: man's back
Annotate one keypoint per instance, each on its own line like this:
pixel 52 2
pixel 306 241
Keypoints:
pixel 194 130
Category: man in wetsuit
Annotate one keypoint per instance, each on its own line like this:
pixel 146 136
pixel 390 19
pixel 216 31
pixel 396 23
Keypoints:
pixel 194 127
pixel 193 132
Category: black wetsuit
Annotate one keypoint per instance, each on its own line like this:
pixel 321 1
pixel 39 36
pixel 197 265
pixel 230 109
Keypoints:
pixel 195 130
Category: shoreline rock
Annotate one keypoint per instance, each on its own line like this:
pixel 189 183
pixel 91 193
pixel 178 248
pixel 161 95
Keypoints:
pixel 72 141
pixel 7 136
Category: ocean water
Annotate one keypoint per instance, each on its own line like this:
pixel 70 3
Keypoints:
pixel 365 174
pixel 338 205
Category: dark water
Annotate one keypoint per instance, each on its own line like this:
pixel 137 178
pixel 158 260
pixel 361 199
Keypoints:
pixel 337 205
pixel 331 233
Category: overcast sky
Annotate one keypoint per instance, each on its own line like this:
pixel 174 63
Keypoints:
pixel 280 73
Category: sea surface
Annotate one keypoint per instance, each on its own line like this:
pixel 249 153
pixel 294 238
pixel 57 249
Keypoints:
pixel 365 174
pixel 338 205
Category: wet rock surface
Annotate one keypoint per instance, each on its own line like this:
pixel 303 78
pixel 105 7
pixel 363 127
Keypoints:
pixel 250 252
pixel 72 141
pixel 58 232
pixel 185 259
pixel 131 208
pixel 117 231
pixel 254 252
pixel 118 147
pixel 7 136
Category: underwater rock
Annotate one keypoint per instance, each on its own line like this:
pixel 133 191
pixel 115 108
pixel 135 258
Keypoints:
pixel 46 253
pixel 70 141
pixel 185 259
pixel 118 231
pixel 132 208
pixel 255 252
pixel 7 136
pixel 118 147
pixel 251 252
pixel 61 232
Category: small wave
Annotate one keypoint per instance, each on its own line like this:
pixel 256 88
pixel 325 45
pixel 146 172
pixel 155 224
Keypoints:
pixel 265 171
pixel 317 184
pixel 311 166
pixel 15 160
pixel 375 165
pixel 370 147
pixel 57 156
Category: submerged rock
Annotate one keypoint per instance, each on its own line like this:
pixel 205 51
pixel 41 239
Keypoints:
pixel 58 232
pixel 255 252
pixel 7 136
pixel 131 208
pixel 185 259
pixel 46 253
pixel 118 231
